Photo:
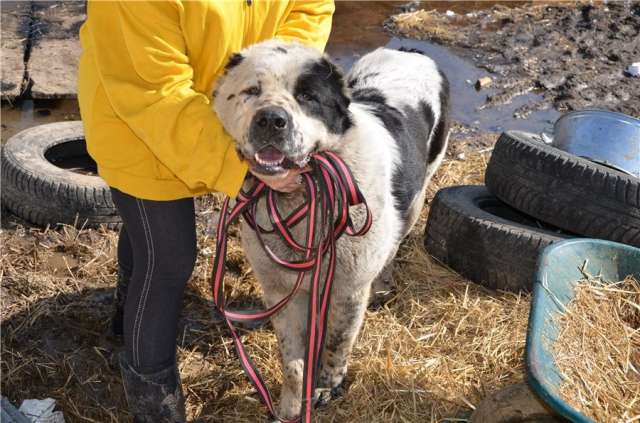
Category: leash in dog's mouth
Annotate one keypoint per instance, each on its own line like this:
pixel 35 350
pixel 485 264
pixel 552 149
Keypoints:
pixel 330 190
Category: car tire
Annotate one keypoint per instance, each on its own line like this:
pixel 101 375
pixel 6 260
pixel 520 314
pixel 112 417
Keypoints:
pixel 565 190
pixel 484 240
pixel 35 189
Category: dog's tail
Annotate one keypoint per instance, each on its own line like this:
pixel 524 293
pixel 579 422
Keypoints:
pixel 440 136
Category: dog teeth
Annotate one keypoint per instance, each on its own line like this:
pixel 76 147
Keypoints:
pixel 267 162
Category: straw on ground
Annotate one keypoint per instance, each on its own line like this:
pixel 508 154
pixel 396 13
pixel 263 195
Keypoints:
pixel 598 350
pixel 436 349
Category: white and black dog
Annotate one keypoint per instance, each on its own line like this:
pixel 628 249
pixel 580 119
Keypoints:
pixel 389 123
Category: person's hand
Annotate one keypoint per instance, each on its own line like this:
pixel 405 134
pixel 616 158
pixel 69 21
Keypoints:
pixel 285 182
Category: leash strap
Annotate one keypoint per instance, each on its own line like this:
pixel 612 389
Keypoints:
pixel 329 193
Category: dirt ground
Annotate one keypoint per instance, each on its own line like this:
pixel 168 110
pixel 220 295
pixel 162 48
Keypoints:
pixel 431 353
pixel 55 48
pixel 573 53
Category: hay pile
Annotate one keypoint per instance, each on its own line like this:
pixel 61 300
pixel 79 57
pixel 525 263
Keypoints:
pixel 598 350
pixel 426 25
pixel 433 25
pixel 433 352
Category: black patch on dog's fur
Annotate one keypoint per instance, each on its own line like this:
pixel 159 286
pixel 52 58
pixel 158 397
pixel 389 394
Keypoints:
pixel 412 50
pixel 429 117
pixel 323 82
pixel 234 61
pixel 372 97
pixel 442 127
pixel 281 50
pixel 230 96
pixel 361 78
pixel 410 130
pixel 390 117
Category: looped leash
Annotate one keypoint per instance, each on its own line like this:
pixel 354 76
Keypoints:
pixel 329 194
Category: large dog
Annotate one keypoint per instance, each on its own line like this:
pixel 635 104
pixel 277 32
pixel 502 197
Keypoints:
pixel 388 121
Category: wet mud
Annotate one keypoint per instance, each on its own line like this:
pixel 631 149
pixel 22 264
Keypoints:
pixel 360 27
pixel 566 56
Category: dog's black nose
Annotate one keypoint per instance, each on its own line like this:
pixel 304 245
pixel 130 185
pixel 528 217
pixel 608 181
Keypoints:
pixel 273 118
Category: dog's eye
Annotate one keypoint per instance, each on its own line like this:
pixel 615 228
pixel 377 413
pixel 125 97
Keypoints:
pixel 255 90
pixel 303 96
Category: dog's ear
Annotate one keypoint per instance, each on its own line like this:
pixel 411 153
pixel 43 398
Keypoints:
pixel 342 99
pixel 234 60
pixel 335 79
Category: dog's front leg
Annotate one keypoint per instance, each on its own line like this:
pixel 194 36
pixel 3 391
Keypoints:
pixel 291 330
pixel 348 306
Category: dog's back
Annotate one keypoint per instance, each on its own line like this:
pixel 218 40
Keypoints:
pixel 410 96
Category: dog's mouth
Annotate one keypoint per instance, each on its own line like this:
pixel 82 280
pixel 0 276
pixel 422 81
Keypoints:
pixel 270 160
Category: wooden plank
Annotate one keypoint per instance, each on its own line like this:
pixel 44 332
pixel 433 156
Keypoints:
pixel 55 52
pixel 15 19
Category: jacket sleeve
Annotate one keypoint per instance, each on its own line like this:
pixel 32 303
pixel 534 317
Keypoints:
pixel 309 22
pixel 141 58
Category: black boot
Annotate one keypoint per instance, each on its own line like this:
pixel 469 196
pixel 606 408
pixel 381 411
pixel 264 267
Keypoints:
pixel 119 298
pixel 155 397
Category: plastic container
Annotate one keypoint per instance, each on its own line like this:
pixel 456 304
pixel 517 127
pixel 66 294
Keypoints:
pixel 557 272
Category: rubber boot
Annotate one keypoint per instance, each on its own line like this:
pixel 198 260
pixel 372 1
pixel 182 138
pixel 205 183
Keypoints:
pixel 155 397
pixel 119 298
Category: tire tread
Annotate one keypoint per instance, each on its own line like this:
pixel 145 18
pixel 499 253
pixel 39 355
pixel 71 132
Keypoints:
pixel 31 195
pixel 565 191
pixel 482 247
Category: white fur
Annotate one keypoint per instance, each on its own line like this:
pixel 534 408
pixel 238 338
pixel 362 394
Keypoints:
pixel 404 78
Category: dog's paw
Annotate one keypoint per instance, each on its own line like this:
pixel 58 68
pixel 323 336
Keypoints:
pixel 322 396
pixel 383 289
pixel 377 300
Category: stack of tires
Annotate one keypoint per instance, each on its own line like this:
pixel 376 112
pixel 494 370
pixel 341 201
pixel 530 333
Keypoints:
pixel 535 195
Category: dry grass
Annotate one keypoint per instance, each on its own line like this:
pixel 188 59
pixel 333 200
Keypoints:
pixel 426 24
pixel 434 25
pixel 431 354
pixel 598 350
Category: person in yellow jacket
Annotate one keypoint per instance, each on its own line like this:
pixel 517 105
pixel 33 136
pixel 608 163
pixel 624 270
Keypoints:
pixel 146 78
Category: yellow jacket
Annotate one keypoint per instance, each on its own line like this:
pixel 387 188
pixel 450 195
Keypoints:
pixel 146 78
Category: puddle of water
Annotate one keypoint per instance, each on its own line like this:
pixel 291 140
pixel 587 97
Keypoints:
pixel 349 42
pixel 27 113
pixel 466 100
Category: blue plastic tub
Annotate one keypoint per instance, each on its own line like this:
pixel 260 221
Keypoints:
pixel 557 273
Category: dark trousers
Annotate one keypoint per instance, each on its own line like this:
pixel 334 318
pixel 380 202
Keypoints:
pixel 157 251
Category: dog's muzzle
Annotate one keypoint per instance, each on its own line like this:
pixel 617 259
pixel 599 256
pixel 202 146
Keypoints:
pixel 271 139
pixel 270 125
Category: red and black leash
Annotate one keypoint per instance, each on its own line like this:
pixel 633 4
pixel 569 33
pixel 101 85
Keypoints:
pixel 329 192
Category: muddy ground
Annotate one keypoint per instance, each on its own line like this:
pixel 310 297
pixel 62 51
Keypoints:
pixel 574 54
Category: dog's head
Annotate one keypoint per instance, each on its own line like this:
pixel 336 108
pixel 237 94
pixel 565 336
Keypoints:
pixel 282 102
